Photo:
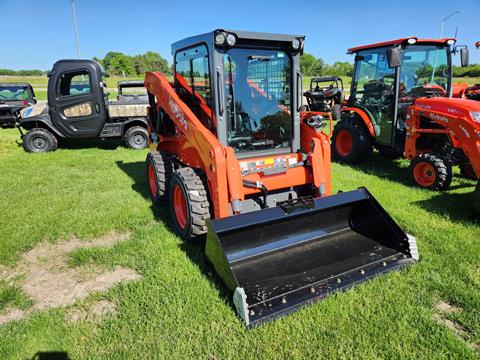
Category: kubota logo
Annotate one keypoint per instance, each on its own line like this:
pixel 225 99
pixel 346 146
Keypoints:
pixel 437 117
pixel 178 113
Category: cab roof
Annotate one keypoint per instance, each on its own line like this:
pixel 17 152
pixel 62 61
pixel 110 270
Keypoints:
pixel 419 41
pixel 241 34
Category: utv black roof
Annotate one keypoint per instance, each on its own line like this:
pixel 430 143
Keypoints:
pixel 131 83
pixel 325 78
pixel 79 62
pixel 241 35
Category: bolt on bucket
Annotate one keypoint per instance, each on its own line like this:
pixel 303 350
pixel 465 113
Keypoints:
pixel 278 259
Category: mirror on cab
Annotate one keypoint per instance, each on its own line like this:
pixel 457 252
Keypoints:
pixel 394 57
pixel 464 56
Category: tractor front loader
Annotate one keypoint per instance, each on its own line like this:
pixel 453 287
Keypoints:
pixel 401 104
pixel 235 160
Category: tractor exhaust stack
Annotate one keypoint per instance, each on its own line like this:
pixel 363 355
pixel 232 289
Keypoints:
pixel 278 259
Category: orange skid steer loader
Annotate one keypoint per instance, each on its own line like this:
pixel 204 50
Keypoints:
pixel 234 159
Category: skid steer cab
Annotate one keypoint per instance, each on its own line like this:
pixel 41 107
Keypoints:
pixel 78 108
pixel 401 104
pixel 234 159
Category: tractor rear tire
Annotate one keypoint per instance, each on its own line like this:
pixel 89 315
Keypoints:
pixel 431 172
pixel 336 112
pixel 38 140
pixel 159 173
pixel 467 171
pixel 351 142
pixel 189 205
pixel 136 137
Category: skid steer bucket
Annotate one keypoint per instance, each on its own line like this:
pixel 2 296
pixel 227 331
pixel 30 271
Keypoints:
pixel 278 259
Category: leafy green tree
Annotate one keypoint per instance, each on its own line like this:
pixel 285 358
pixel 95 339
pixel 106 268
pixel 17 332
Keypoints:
pixel 308 64
pixel 150 61
pixel 117 63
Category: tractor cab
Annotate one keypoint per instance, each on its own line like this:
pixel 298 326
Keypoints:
pixel 390 76
pixel 243 87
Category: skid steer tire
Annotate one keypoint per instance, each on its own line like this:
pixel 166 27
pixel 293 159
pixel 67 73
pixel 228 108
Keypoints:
pixel 38 140
pixel 159 172
pixel 431 172
pixel 351 142
pixel 189 205
pixel 136 137
pixel 467 171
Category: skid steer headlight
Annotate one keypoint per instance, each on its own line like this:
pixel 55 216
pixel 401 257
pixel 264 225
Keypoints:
pixel 231 40
pixel 450 41
pixel 295 44
pixel 220 38
pixel 476 116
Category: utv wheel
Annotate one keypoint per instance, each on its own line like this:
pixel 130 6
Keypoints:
pixel 351 142
pixel 136 137
pixel 189 206
pixel 467 171
pixel 39 140
pixel 431 172
pixel 336 113
pixel 159 173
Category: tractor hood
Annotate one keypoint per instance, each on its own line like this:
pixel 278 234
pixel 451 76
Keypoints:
pixel 452 107
pixel 34 110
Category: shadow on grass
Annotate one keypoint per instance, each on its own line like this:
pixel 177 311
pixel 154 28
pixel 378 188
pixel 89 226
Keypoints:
pixel 458 207
pixel 194 249
pixel 444 203
pixel 51 355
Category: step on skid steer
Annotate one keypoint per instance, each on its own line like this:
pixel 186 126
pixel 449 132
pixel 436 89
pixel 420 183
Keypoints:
pixel 234 159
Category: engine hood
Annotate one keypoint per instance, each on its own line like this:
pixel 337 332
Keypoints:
pixel 451 107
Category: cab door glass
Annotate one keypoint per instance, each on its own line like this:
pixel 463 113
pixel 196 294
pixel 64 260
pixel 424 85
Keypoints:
pixel 374 90
pixel 74 83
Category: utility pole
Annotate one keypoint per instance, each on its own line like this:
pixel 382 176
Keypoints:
pixel 75 28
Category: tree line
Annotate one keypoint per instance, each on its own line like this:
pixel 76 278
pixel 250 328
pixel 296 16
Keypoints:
pixel 311 66
pixel 117 63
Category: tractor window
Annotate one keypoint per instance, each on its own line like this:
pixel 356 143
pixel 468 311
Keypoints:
pixel 192 82
pixel 424 66
pixel 74 83
pixel 258 99
pixel 373 89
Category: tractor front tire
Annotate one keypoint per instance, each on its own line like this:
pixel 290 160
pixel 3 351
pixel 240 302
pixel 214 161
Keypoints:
pixel 136 137
pixel 38 140
pixel 351 142
pixel 159 173
pixel 189 205
pixel 431 172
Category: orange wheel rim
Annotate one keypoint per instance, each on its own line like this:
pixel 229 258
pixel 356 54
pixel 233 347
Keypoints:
pixel 180 206
pixel 344 143
pixel 424 174
pixel 152 181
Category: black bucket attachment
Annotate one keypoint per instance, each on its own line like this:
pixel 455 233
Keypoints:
pixel 278 259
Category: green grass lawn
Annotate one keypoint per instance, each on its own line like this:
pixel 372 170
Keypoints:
pixel 179 309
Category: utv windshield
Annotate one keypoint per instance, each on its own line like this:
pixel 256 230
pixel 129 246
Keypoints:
pixel 258 99
pixel 13 93
pixel 424 66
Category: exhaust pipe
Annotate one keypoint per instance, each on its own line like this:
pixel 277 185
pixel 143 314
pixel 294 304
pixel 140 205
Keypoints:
pixel 278 259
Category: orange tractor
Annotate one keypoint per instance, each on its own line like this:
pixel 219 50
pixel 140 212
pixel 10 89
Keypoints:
pixel 400 103
pixel 233 158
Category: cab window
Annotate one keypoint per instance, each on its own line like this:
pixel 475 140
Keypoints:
pixel 74 83
pixel 192 82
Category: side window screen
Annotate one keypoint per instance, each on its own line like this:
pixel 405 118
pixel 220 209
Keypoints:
pixel 75 83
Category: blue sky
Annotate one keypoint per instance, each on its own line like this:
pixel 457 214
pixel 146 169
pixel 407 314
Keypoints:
pixel 36 33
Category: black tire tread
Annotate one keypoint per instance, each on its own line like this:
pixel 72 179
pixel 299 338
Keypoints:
pixel 163 164
pixel 197 200
pixel 362 141
pixel 30 133
pixel 442 168
pixel 129 133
